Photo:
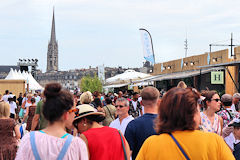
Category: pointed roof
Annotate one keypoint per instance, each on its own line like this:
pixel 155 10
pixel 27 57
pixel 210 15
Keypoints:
pixel 53 33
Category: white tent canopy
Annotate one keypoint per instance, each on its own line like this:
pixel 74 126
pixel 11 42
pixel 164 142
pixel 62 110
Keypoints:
pixel 17 75
pixel 127 76
pixel 13 75
pixel 33 84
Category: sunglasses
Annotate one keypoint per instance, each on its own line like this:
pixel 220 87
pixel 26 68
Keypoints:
pixel 75 110
pixel 216 100
pixel 121 106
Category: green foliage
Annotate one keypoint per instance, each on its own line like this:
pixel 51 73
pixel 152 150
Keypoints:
pixel 90 84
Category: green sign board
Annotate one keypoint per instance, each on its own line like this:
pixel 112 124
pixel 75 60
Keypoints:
pixel 217 77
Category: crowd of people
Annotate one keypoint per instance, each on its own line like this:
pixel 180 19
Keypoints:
pixel 181 123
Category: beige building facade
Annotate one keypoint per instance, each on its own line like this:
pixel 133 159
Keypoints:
pixel 203 62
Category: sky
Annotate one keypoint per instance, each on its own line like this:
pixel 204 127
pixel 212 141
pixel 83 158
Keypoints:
pixel 97 32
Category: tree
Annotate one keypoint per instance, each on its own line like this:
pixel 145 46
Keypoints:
pixel 90 84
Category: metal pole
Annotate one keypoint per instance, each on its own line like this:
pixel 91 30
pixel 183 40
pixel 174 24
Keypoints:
pixel 200 77
pixel 232 45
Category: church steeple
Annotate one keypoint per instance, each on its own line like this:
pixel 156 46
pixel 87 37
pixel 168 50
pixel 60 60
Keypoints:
pixel 53 33
pixel 52 54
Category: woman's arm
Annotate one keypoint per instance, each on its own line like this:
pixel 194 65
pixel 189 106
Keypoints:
pixel 86 141
pixel 221 123
pixel 26 114
pixel 17 132
pixel 127 148
pixel 128 152
pixel 23 105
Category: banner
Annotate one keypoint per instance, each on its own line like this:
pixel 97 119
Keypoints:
pixel 101 73
pixel 148 53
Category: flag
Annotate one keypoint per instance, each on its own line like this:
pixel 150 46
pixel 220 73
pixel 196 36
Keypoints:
pixel 101 73
pixel 148 53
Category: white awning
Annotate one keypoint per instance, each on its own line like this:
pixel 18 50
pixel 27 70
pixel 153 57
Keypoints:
pixel 116 85
pixel 142 84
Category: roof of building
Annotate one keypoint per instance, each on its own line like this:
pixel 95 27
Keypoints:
pixel 6 69
pixel 233 63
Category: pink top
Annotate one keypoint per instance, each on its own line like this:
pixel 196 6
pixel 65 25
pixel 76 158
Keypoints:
pixel 49 147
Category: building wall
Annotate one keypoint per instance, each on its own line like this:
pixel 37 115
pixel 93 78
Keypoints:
pixel 14 86
pixel 193 63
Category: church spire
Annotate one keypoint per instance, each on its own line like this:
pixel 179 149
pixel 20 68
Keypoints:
pixel 52 54
pixel 53 33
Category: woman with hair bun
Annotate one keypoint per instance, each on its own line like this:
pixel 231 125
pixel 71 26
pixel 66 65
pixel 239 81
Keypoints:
pixel 210 121
pixel 54 142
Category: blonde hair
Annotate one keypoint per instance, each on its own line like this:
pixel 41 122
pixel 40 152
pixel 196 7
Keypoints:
pixel 86 98
pixel 29 95
pixel 4 109
pixel 182 84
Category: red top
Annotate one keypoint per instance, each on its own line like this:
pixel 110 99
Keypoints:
pixel 104 144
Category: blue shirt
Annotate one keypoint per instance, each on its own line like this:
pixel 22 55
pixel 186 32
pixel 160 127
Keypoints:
pixel 138 130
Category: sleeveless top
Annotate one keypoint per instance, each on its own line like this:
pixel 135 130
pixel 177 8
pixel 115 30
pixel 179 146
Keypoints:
pixel 208 127
pixel 104 143
pixel 8 143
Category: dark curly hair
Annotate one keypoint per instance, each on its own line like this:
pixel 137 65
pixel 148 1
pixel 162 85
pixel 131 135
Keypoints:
pixel 57 102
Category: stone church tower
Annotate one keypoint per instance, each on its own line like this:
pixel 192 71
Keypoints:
pixel 52 54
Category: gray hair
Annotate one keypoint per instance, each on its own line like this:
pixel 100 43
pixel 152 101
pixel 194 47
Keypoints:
pixel 123 100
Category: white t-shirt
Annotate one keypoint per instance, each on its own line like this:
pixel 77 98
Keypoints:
pixel 230 140
pixel 37 99
pixel 233 107
pixel 13 106
pixel 5 97
pixel 135 107
pixel 27 105
pixel 122 127
pixel 24 99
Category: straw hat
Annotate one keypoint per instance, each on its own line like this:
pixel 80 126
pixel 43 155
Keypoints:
pixel 86 110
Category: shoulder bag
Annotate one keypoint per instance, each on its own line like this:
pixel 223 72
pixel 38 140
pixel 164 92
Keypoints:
pixel 124 149
pixel 179 146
